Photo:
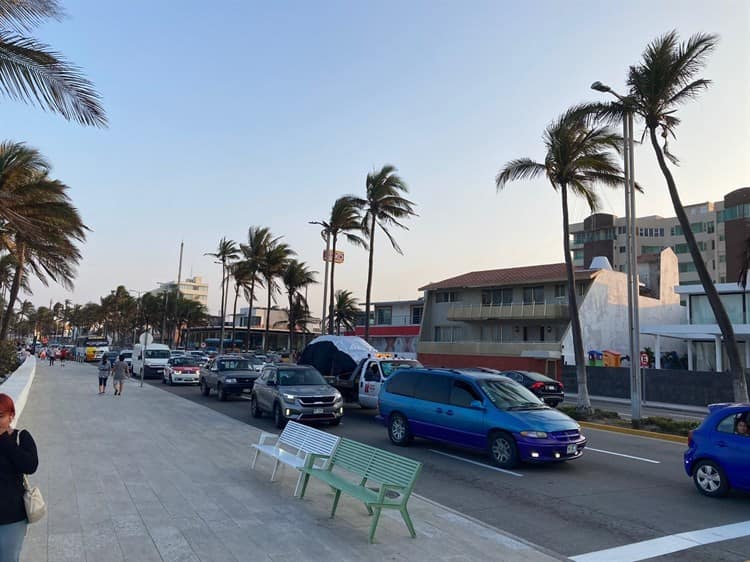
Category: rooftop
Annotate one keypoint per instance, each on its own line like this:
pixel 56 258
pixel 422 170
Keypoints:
pixel 509 276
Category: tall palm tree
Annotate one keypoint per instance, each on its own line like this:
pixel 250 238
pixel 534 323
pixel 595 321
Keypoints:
pixel 296 276
pixel 346 310
pixel 226 253
pixel 578 156
pixel 32 72
pixel 663 80
pixel 259 239
pixel 47 249
pixel 346 219
pixel 272 266
pixel 384 207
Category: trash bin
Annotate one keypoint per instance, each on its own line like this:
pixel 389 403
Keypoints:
pixel 611 358
pixel 596 359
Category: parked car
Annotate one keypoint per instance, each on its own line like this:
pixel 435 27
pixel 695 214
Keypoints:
pixel 718 454
pixel 200 357
pixel 184 370
pixel 477 410
pixel 546 388
pixel 127 356
pixel 111 356
pixel 255 361
pixel 177 353
pixel 295 392
pixel 227 375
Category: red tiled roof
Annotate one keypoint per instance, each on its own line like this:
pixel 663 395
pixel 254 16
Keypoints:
pixel 509 276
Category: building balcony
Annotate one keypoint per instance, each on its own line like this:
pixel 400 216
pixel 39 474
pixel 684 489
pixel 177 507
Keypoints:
pixel 505 349
pixel 515 311
pixel 395 320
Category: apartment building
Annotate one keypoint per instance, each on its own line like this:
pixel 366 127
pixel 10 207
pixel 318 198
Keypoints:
pixel 518 318
pixel 721 229
pixel 394 326
pixel 193 288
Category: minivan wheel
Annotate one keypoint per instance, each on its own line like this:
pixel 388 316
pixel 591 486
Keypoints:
pixel 278 419
pixel 398 430
pixel 710 479
pixel 255 408
pixel 222 393
pixel 503 450
pixel 205 391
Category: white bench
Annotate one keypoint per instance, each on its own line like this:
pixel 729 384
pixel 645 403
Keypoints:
pixel 292 447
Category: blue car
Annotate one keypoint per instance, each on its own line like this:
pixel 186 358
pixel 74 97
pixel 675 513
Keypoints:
pixel 718 455
pixel 477 410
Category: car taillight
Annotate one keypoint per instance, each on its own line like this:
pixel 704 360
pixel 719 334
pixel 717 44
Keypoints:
pixel 537 386
pixel 562 387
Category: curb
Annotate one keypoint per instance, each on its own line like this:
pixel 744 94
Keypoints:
pixel 17 386
pixel 639 432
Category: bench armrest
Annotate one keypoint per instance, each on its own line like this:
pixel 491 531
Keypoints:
pixel 384 488
pixel 310 459
pixel 265 437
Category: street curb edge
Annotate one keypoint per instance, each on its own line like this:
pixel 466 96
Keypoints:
pixel 638 432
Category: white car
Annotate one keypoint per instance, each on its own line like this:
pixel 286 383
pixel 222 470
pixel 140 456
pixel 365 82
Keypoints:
pixel 181 370
pixel 128 358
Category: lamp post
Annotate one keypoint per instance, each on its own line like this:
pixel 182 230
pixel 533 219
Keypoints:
pixel 139 304
pixel 326 235
pixel 631 235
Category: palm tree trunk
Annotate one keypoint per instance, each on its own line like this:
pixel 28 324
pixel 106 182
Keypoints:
pixel 234 309
pixel 369 280
pixel 250 314
pixel 267 335
pixel 584 402
pixel 739 382
pixel 221 307
pixel 330 304
pixel 14 289
pixel 291 323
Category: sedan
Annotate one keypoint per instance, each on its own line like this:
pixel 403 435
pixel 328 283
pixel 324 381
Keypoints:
pixel 181 370
pixel 718 454
pixel 547 389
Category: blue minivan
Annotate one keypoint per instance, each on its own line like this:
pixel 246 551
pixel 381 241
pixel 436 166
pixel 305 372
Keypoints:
pixel 477 410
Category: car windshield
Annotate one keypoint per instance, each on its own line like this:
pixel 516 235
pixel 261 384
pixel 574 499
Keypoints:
pixel 509 395
pixel 183 362
pixel 157 354
pixel 389 366
pixel 255 361
pixel 299 377
pixel 126 354
pixel 234 365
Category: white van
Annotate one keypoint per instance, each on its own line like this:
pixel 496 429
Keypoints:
pixel 150 360
pixel 372 372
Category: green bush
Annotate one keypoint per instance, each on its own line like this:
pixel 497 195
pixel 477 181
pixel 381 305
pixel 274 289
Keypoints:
pixel 668 425
pixel 8 358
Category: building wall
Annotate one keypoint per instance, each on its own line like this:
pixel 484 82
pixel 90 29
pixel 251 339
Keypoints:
pixel 736 230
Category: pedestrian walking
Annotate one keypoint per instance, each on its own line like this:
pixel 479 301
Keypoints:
pixel 105 369
pixel 63 355
pixel 51 358
pixel 120 371
pixel 17 457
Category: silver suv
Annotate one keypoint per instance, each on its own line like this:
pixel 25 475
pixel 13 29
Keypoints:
pixel 295 392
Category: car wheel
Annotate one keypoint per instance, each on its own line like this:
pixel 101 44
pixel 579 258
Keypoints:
pixel 223 396
pixel 205 391
pixel 553 403
pixel 337 421
pixel 710 479
pixel 278 418
pixel 503 450
pixel 255 408
pixel 398 430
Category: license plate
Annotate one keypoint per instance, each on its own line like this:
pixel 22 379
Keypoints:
pixel 317 410
pixel 572 449
pixel 550 387
pixel 160 371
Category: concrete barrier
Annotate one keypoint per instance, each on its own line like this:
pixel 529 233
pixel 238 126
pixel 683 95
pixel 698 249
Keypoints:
pixel 19 383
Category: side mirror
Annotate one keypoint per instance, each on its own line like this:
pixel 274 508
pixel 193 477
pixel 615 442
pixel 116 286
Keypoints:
pixel 477 405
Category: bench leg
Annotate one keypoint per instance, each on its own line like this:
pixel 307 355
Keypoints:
pixel 299 483
pixel 275 468
pixel 255 458
pixel 335 502
pixel 407 520
pixel 374 524
pixel 305 480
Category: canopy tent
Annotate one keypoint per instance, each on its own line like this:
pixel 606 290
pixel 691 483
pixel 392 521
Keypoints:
pixel 333 355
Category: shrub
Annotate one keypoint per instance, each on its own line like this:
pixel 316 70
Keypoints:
pixel 8 358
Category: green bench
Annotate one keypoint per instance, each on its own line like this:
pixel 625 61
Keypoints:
pixel 393 473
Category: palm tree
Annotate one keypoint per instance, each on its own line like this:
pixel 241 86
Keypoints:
pixel 345 219
pixel 259 239
pixel 664 79
pixel 226 252
pixel 345 311
pixel 272 266
pixel 31 72
pixel 295 277
pixel 577 158
pixel 47 249
pixel 384 207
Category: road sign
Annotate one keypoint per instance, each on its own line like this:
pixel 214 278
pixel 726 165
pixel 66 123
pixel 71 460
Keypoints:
pixel 203 345
pixel 338 258
pixel 644 359
pixel 146 339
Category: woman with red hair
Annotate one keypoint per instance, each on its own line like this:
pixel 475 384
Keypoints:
pixel 17 457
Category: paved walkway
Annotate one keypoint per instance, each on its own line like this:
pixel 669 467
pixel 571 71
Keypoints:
pixel 151 476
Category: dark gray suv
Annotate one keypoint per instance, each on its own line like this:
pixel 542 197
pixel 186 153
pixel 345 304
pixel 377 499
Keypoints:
pixel 295 392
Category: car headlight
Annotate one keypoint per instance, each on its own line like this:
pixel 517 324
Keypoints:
pixel 535 434
pixel 289 397
pixel 230 380
pixel 337 396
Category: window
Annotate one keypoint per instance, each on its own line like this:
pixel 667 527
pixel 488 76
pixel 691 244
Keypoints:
pixel 697 226
pixel 463 394
pixel 561 291
pixel 675 231
pixel 581 286
pixel 383 315
pixel 533 295
pixel 686 267
pixel 622 249
pixel 621 230
pixel 416 314
pixel 650 249
pixel 497 297
pixel 681 249
pixel 722 258
pixel 728 424
pixel 710 227
pixel 577 254
pixel 713 244
pixel 433 388
pixel 661 232
pixel 447 296
pixel 447 333
pixel 403 384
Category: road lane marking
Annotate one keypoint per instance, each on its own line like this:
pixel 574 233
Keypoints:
pixel 622 455
pixel 666 545
pixel 476 463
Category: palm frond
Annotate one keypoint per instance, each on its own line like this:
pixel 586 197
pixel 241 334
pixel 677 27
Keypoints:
pixel 518 169
pixel 24 15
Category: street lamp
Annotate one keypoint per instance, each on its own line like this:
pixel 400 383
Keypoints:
pixel 631 236
pixel 326 235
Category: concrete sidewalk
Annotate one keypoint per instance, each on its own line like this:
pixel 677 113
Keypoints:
pixel 151 476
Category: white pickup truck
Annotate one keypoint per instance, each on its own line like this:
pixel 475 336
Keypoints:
pixel 372 372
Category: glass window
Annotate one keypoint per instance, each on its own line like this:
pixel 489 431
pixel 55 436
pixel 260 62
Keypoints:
pixel 403 383
pixel 622 249
pixel 383 315
pixel 560 291
pixel 447 296
pixel 533 295
pixel 463 394
pixel 300 377
pixel 416 314
pixel 389 366
pixel 509 395
pixel 433 388
pixel 577 254
pixel 234 365
pixel 727 424
pixel 157 354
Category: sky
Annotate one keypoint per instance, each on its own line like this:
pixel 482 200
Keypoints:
pixel 227 114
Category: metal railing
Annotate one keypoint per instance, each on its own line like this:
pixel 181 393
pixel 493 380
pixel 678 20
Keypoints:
pixel 545 310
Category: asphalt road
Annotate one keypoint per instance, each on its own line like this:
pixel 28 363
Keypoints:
pixel 624 490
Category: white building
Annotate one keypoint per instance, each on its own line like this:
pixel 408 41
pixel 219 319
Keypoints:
pixel 193 288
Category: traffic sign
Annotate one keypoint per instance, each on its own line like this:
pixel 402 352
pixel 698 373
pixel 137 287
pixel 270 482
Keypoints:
pixel 146 339
pixel 644 359
pixel 329 256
